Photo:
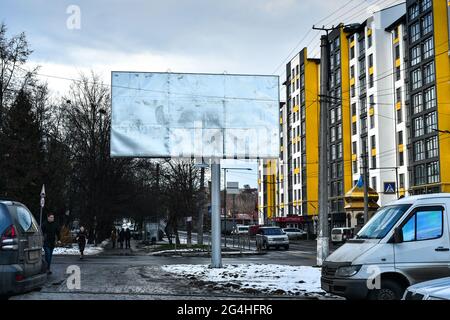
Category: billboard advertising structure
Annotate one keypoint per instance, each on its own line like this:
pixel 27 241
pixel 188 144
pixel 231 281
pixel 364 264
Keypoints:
pixel 180 115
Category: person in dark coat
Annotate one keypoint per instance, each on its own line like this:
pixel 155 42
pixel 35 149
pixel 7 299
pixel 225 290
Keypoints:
pixel 113 237
pixel 81 239
pixel 121 238
pixel 50 231
pixel 127 239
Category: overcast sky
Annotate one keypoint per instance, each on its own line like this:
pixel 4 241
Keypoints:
pixel 235 36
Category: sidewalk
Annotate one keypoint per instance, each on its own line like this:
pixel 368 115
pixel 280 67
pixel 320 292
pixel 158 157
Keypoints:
pixel 117 251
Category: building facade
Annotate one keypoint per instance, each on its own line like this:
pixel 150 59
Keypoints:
pixel 428 71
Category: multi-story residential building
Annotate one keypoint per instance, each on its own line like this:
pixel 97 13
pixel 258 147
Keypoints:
pixel 267 177
pixel 428 70
pixel 296 179
pixel 377 103
pixel 339 125
pixel 398 64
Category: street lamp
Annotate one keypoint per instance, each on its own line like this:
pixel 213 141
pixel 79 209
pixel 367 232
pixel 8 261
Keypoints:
pixel 225 196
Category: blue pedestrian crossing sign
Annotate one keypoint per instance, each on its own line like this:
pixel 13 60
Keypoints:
pixel 389 187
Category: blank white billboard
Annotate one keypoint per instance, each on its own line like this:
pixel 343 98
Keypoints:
pixel 194 115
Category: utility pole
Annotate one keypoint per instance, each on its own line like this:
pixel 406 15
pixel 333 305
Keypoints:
pixel 225 204
pixel 202 207
pixel 323 237
pixel 216 254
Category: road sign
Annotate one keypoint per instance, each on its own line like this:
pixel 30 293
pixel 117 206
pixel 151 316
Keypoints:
pixel 43 191
pixel 42 202
pixel 232 187
pixel 389 187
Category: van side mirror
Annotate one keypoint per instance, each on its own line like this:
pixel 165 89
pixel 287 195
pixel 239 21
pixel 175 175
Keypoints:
pixel 398 235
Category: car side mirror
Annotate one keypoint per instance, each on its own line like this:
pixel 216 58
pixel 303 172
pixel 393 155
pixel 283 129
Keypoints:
pixel 398 235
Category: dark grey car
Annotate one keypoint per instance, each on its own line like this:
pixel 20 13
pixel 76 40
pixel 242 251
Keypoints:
pixel 21 263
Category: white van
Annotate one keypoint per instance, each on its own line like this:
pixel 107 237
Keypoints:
pixel 405 242
pixel 340 235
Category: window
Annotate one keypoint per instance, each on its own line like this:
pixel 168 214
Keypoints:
pixel 426 4
pixel 425 224
pixel 427 24
pixel 396 32
pixel 363 125
pixel 397 52
pixel 415 55
pixel 332 134
pixel 25 219
pixel 428 73
pixel 428 48
pixel 338 114
pixel 362 66
pixel 333 152
pixel 374 183
pixel 371 61
pixel 419 152
pixel 417 103
pixel 397 73
pixel 430 122
pixel 352 52
pixel 354 131
pixel 371 81
pixel 372 121
pixel 363 105
pixel 338 76
pixel 332 116
pixel 352 72
pixel 416 77
pixel 398 95
pixel 401 158
pixel 339 150
pixel 353 91
pixel 362 85
pixel 419 173
pixel 374 162
pixel 353 109
pixel 400 137
pixel 431 147
pixel 430 98
pixel 402 180
pixel 361 45
pixel 372 142
pixel 414 32
pixel 413 11
pixel 399 115
pixel 433 172
pixel 354 148
pixel 339 132
pixel 418 127
pixel 355 166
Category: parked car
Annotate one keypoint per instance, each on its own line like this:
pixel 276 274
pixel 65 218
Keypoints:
pixel 438 289
pixel 21 264
pixel 271 237
pixel 404 243
pixel 295 233
pixel 253 229
pixel 240 230
pixel 340 235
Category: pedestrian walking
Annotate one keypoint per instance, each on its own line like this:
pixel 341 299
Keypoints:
pixel 113 237
pixel 50 231
pixel 127 238
pixel 82 239
pixel 121 238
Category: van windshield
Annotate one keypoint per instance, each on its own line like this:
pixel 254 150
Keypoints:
pixel 382 222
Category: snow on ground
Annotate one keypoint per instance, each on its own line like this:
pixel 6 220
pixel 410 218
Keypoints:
pixel 270 278
pixel 177 251
pixel 89 250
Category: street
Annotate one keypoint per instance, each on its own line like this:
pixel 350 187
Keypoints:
pixel 121 275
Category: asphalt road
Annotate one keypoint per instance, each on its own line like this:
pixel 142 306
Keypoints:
pixel 138 276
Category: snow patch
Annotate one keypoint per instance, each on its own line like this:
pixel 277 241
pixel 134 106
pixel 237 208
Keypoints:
pixel 270 278
pixel 89 250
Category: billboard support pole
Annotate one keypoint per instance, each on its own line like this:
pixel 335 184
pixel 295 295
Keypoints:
pixel 216 255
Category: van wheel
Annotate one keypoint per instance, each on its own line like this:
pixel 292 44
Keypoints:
pixel 390 290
